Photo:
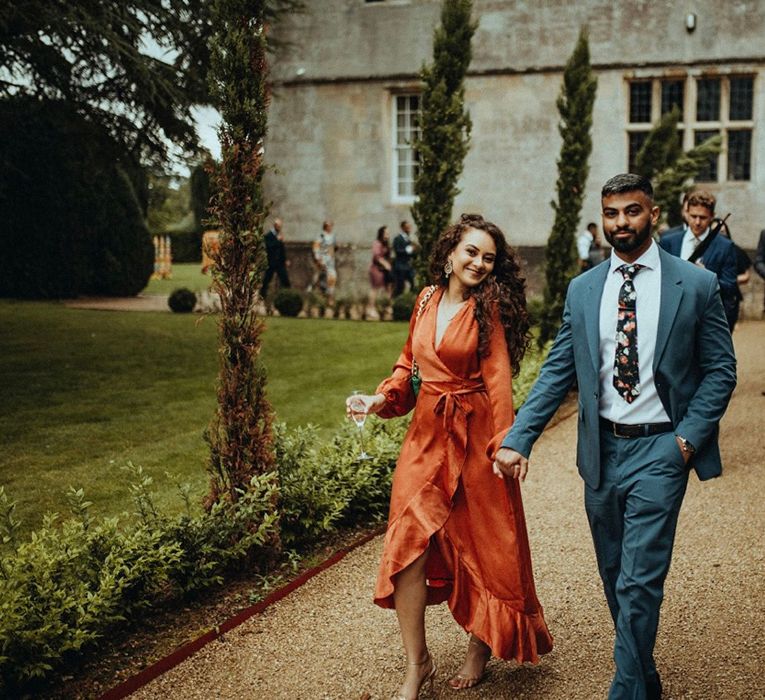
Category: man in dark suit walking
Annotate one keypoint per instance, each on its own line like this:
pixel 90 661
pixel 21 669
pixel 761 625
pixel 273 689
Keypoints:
pixel 701 244
pixel 277 258
pixel 645 336
pixel 403 249
pixel 759 259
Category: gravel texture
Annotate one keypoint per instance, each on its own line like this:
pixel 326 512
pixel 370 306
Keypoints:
pixel 327 640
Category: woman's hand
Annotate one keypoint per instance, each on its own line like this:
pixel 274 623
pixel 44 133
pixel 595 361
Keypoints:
pixel 510 463
pixel 371 403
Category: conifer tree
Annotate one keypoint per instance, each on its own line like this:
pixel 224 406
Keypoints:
pixel 575 103
pixel 445 127
pixel 661 147
pixel 200 193
pixel 240 435
pixel 661 158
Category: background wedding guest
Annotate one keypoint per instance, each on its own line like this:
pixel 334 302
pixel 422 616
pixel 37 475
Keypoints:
pixel 732 303
pixel 404 249
pixel 276 255
pixel 323 251
pixel 380 267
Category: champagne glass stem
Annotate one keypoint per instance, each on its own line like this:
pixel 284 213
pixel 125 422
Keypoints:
pixel 361 441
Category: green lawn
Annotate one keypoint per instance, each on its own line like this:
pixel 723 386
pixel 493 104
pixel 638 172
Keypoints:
pixel 187 275
pixel 84 392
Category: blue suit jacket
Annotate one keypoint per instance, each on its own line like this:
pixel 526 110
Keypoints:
pixel 694 366
pixel 719 258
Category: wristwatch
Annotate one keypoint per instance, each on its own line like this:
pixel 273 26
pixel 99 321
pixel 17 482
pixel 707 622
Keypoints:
pixel 686 446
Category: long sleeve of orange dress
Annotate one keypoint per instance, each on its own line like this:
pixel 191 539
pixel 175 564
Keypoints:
pixel 445 496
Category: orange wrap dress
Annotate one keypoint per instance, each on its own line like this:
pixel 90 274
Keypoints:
pixel 445 495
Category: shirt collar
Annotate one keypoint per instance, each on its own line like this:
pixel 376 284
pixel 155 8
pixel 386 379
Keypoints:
pixel 649 259
pixel 689 237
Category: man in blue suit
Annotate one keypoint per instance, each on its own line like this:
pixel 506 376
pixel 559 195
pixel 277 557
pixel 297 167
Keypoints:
pixel 702 244
pixel 645 336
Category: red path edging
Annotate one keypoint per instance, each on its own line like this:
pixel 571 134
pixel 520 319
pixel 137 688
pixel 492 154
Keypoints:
pixel 141 679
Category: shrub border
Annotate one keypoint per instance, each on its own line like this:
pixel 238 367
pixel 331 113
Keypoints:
pixel 132 684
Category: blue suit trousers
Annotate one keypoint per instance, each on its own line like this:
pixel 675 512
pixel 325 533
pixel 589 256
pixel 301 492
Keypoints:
pixel 633 517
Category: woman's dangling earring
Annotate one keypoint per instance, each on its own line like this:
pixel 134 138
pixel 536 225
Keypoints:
pixel 448 268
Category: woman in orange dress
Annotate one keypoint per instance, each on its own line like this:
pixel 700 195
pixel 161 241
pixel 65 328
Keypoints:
pixel 455 532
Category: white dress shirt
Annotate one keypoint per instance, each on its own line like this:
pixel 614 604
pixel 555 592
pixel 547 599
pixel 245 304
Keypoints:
pixel 583 242
pixel 690 243
pixel 647 407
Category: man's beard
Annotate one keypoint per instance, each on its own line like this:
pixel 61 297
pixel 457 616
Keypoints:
pixel 627 245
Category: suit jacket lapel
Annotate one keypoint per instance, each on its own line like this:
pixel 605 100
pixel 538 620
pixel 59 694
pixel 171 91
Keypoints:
pixel 671 293
pixel 592 311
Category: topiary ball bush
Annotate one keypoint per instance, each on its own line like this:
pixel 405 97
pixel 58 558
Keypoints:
pixel 182 300
pixel 403 305
pixel 288 302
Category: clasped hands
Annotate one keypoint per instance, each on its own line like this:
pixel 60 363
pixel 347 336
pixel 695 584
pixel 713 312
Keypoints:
pixel 510 463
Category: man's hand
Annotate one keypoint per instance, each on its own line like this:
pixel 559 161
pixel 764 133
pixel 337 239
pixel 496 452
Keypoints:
pixel 686 455
pixel 510 463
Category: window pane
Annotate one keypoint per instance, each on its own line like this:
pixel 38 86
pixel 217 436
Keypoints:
pixel 672 96
pixel 709 172
pixel 405 158
pixel 741 98
pixel 708 100
pixel 636 141
pixel 640 102
pixel 739 154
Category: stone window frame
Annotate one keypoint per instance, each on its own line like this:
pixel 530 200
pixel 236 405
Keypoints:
pixel 690 126
pixel 403 173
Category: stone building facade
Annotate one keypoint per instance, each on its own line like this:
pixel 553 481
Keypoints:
pixel 346 95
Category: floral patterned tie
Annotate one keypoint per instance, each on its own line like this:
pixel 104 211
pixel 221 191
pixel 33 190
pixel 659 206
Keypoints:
pixel 626 370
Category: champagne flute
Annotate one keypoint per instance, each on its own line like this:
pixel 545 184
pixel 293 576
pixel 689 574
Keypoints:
pixel 359 416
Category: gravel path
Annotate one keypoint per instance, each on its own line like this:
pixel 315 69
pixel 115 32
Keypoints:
pixel 142 302
pixel 327 640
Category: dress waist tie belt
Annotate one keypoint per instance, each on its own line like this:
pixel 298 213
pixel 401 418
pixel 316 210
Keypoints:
pixel 450 399
pixel 454 409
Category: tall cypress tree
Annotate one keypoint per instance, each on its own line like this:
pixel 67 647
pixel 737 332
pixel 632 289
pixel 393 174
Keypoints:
pixel 575 103
pixel 445 127
pixel 240 435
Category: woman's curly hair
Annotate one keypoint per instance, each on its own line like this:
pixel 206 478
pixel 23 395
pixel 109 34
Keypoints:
pixel 505 287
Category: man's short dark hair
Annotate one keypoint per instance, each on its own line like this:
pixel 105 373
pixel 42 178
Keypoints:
pixel 627 182
pixel 591 225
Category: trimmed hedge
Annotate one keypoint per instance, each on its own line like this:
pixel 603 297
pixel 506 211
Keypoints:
pixel 288 302
pixel 182 300
pixel 403 306
pixel 72 221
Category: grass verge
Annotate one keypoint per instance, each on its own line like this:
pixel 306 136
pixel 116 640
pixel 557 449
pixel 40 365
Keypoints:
pixel 84 392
